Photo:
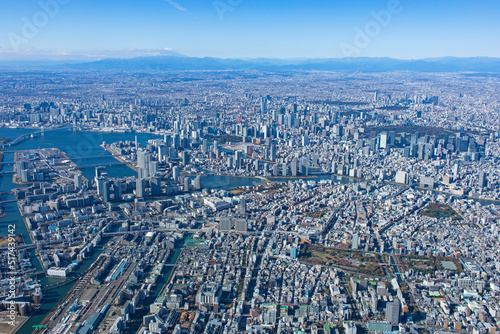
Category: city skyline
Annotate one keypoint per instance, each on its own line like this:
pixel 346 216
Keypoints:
pixel 260 167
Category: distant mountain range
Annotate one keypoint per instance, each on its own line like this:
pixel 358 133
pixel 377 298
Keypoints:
pixel 177 62
pixel 172 63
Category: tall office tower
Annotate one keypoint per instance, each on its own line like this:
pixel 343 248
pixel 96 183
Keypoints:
pixel 106 195
pixel 355 241
pixel 455 169
pixel 338 130
pixel 265 131
pixel 314 118
pixel 168 140
pixel 374 302
pixel 275 170
pixel 117 188
pixel 305 166
pixel 289 120
pixel 384 141
pixel 263 105
pixel 483 179
pixel 78 181
pixel 176 141
pixel 204 146
pixel 392 311
pixel 162 152
pixel 140 188
pixel 305 140
pixel 143 159
pixel 256 165
pixel 284 169
pixel 101 183
pixel 185 158
pixel 334 167
pixel 172 153
pixel 197 182
pixel 98 171
pixel 407 152
pixel 238 155
pixel 142 173
pixel 414 139
pixel 20 166
pixel 391 138
pixel 242 206
pixel 155 181
pixel 153 167
pixel 216 146
pixel 176 172
pixel 294 167
pixel 177 128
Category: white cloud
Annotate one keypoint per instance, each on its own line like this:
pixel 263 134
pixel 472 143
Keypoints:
pixel 176 5
pixel 27 54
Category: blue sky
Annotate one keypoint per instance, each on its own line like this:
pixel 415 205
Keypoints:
pixel 255 28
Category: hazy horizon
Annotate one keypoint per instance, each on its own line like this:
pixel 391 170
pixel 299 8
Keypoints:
pixel 241 29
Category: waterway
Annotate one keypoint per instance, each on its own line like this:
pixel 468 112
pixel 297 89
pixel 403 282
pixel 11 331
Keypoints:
pixel 77 146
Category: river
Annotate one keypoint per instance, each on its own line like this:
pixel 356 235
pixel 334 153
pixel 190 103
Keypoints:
pixel 77 146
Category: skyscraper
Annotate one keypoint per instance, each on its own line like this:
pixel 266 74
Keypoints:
pixel 204 146
pixel 305 140
pixel 185 158
pixel 117 187
pixel 143 159
pixel 98 171
pixel 374 302
pixel 176 172
pixel 263 105
pixel 482 180
pixel 20 166
pixel 384 140
pixel 197 182
pixel 305 167
pixel 238 155
pixel 101 183
pixel 242 206
pixel 355 241
pixel 162 152
pixel 273 152
pixel 294 167
pixel 155 181
pixel 106 195
pixel 140 187
pixel 392 310
pixel 153 167
pixel 78 181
